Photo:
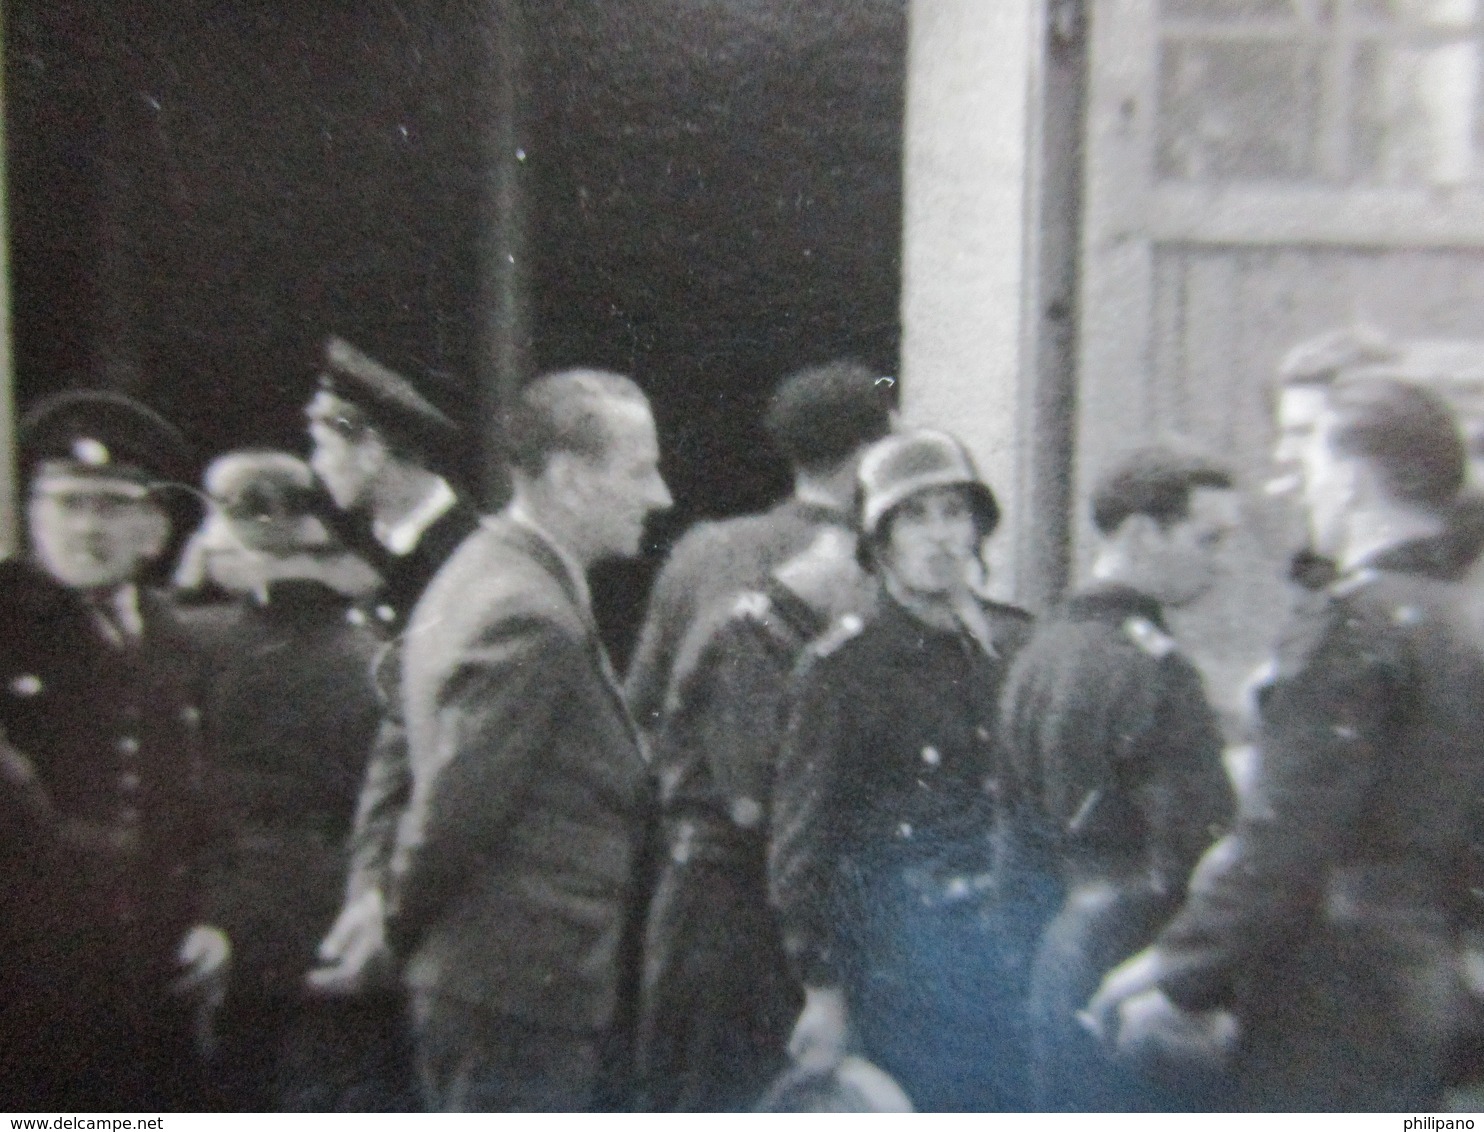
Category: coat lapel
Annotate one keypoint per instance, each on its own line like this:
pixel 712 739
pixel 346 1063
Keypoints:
pixel 547 558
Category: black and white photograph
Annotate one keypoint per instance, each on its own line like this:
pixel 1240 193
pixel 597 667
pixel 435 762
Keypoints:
pixel 757 556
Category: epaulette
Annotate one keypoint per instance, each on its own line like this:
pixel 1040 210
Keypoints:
pixel 1149 637
pixel 837 634
pixel 1014 612
pixel 1353 583
pixel 752 605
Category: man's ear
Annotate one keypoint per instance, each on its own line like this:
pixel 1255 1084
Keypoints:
pixel 564 476
pixel 371 452
pixel 1139 534
pixel 156 533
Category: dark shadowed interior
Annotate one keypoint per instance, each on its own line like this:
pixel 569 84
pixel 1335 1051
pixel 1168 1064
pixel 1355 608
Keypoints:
pixel 712 195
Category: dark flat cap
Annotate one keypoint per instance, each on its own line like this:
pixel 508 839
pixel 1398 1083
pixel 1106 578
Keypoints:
pixel 387 401
pixel 102 435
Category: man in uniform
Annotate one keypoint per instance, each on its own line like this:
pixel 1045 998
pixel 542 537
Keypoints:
pixel 101 745
pixel 880 859
pixel 374 438
pixel 820 419
pixel 290 716
pixel 1327 922
pixel 1114 762
pixel 515 885
pixel 718 998
pixel 1304 378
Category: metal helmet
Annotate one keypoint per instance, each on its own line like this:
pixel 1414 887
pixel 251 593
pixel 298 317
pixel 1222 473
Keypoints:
pixel 905 463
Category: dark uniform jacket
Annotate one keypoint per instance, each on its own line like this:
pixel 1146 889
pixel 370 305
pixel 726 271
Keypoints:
pixel 1114 751
pixel 1115 787
pixel 881 861
pixel 513 881
pixel 708 567
pixel 890 763
pixel 388 781
pixel 718 1000
pixel 113 734
pixel 291 713
pixel 1327 920
pixel 408 575
pixel 715 759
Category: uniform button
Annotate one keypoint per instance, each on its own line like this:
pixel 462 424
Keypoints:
pixel 128 745
pixel 905 829
pixel 982 733
pixel 746 812
pixel 1407 615
pixel 27 685
pixel 931 756
pixel 129 781
pixel 386 613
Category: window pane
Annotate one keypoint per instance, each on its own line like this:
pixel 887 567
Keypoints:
pixel 1237 110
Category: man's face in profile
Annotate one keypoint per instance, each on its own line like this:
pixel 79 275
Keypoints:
pixel 617 493
pixel 1298 413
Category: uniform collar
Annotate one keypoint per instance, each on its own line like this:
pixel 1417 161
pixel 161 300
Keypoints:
pixel 892 609
pixel 116 614
pixel 1114 603
pixel 401 538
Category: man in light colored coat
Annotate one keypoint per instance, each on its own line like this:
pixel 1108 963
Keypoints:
pixel 515 874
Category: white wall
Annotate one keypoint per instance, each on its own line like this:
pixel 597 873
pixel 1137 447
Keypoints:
pixel 970 73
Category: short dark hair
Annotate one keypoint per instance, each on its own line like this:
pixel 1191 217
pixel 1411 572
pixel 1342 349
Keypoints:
pixel 1320 361
pixel 565 412
pixel 1408 434
pixel 820 416
pixel 1156 481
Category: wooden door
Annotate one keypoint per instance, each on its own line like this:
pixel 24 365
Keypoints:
pixel 1257 171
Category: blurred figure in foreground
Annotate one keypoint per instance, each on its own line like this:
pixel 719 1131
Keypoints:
pixel 290 711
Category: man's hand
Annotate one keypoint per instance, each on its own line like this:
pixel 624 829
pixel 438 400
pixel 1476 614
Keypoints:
pixel 1134 1019
pixel 822 1032
pixel 1136 975
pixel 1158 1036
pixel 355 950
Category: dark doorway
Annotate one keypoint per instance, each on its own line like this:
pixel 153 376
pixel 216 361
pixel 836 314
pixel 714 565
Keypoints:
pixel 716 192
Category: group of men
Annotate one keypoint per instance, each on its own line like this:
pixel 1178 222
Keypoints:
pixel 845 814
